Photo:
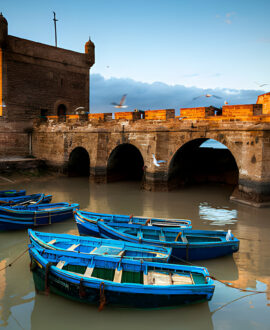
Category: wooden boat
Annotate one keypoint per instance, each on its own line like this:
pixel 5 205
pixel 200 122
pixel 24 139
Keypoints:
pixel 186 244
pixel 25 200
pixel 109 280
pixel 92 245
pixel 12 193
pixel 21 217
pixel 87 221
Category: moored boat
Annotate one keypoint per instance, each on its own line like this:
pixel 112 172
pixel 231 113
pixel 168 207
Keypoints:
pixel 108 280
pixel 99 246
pixel 186 244
pixel 21 217
pixel 87 221
pixel 12 193
pixel 25 200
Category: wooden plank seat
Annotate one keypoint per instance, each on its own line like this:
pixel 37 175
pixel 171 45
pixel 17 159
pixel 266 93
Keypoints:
pixel 118 276
pixel 73 247
pixel 88 272
pixel 52 241
pixel 157 278
pixel 60 264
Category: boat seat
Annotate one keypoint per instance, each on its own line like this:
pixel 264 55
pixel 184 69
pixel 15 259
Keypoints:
pixel 60 264
pixel 73 247
pixel 93 251
pixel 52 241
pixel 121 253
pixel 88 272
pixel 182 279
pixel 118 276
pixel 156 278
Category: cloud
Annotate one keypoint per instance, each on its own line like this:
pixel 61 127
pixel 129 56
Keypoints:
pixel 228 17
pixel 159 95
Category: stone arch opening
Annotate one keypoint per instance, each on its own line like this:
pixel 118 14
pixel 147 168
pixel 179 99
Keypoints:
pixel 61 110
pixel 194 163
pixel 79 162
pixel 125 163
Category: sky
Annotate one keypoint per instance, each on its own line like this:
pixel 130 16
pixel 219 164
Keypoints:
pixel 162 53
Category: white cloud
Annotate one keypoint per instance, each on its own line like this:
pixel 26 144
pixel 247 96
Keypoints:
pixel 159 95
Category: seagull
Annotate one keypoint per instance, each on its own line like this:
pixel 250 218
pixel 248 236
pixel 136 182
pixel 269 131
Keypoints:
pixel 229 235
pixel 260 85
pixel 157 162
pixel 206 95
pixel 226 103
pixel 79 110
pixel 121 104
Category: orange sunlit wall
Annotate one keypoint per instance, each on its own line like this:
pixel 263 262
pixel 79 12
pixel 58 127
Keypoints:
pixel 1 89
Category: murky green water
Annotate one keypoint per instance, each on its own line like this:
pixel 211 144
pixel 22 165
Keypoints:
pixel 207 206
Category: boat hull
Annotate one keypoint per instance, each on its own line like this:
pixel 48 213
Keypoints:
pixel 50 279
pixel 187 252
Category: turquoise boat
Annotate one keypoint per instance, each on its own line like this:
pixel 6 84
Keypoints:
pixel 87 221
pixel 186 244
pixel 21 217
pixel 25 200
pixel 98 246
pixel 105 280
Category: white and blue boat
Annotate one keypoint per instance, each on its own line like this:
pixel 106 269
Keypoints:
pixel 25 200
pixel 99 246
pixel 109 280
pixel 21 217
pixel 87 221
pixel 186 244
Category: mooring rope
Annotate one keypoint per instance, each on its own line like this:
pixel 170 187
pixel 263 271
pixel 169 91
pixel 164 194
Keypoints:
pixel 17 258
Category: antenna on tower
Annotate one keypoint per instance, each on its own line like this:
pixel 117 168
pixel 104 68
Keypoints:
pixel 55 32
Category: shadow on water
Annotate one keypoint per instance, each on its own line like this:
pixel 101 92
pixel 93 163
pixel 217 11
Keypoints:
pixel 116 318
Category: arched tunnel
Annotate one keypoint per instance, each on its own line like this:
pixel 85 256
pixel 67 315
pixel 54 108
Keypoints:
pixel 79 162
pixel 125 163
pixel 193 164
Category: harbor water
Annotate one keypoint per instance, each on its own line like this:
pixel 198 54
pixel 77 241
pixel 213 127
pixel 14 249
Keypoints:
pixel 208 207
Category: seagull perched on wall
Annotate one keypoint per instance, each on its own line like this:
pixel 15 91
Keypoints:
pixel 120 105
pixel 207 95
pixel 157 162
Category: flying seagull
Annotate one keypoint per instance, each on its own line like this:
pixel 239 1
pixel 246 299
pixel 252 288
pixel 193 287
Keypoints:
pixel 121 103
pixel 157 162
pixel 260 85
pixel 207 95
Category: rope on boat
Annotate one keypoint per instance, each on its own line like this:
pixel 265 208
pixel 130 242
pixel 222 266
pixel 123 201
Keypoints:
pixel 82 292
pixel 47 270
pixel 17 258
pixel 102 298
pixel 222 281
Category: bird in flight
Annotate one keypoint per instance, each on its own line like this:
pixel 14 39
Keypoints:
pixel 120 105
pixel 157 162
pixel 207 95
pixel 260 85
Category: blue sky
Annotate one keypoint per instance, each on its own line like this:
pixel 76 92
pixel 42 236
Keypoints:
pixel 201 45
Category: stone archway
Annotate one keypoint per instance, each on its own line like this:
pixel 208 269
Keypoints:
pixel 61 110
pixel 125 163
pixel 79 162
pixel 192 164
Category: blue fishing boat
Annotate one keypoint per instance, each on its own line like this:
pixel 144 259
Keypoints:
pixel 87 221
pixel 27 199
pixel 99 246
pixel 186 244
pixel 110 280
pixel 21 217
pixel 12 193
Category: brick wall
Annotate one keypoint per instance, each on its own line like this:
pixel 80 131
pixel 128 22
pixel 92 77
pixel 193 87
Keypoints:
pixel 264 99
pixel 163 114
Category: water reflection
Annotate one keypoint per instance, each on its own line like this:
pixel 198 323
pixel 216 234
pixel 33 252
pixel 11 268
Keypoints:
pixel 218 216
pixel 208 207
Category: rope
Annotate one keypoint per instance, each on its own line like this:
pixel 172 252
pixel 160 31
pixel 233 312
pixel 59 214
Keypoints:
pixel 102 300
pixel 17 258
pixel 221 281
